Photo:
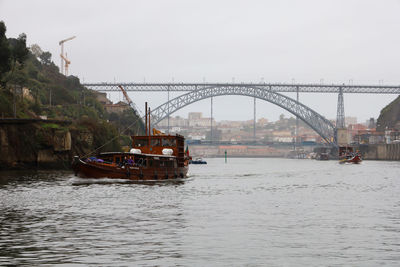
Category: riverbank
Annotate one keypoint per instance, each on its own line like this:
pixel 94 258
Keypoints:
pixel 380 151
pixel 368 151
pixel 48 144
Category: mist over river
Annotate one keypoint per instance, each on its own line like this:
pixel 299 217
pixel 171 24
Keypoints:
pixel 248 212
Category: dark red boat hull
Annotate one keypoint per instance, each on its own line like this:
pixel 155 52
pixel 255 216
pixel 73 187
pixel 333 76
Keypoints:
pixel 354 160
pixel 96 170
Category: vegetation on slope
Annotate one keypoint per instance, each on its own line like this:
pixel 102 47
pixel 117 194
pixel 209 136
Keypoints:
pixel 389 117
pixel 55 96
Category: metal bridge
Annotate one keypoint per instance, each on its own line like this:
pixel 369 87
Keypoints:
pixel 317 122
pixel 276 87
pixel 265 91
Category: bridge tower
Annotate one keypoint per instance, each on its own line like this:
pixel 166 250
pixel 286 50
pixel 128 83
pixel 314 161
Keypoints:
pixel 341 134
pixel 340 123
pixel 296 140
pixel 211 122
pixel 254 120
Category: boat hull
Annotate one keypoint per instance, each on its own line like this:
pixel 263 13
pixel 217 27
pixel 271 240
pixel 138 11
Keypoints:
pixel 95 170
pixel 197 162
pixel 353 160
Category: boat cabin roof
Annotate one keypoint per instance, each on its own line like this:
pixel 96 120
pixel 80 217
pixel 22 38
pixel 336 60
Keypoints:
pixel 137 154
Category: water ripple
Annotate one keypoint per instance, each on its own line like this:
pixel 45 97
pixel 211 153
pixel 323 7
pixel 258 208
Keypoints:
pixel 249 212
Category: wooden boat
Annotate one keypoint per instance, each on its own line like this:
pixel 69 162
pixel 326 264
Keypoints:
pixel 152 158
pixel 347 155
pixel 354 159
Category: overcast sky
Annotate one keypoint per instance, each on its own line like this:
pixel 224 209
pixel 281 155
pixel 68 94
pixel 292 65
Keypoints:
pixel 339 41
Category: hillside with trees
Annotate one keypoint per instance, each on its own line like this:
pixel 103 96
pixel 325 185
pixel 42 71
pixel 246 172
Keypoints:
pixel 31 87
pixel 389 117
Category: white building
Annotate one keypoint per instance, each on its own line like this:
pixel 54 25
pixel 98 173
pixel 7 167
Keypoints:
pixel 174 122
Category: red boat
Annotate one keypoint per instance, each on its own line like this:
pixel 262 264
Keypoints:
pixel 347 155
pixel 151 158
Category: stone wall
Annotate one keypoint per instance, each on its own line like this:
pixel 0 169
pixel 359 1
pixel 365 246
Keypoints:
pixel 380 152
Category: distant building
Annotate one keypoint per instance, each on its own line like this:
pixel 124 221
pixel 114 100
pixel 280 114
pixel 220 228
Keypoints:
pixel 109 106
pixel 195 119
pixel 282 136
pixel 233 150
pixel 231 123
pixel 369 136
pixel 203 122
pixel 174 122
pixel 354 130
pixel 196 136
pixel 371 123
pixel 262 122
pixel 117 108
pixel 102 98
pixel 23 91
pixel 176 129
pixel 350 120
pixel 195 115
pixel 392 136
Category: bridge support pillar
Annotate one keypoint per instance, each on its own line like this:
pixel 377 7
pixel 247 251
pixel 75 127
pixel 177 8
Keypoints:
pixel 296 140
pixel 168 111
pixel 254 122
pixel 211 121
pixel 340 123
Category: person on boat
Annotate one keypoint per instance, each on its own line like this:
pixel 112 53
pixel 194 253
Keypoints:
pixel 130 161
pixel 91 159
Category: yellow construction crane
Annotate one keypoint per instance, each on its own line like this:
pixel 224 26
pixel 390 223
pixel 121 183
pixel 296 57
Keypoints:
pixel 64 58
pixel 67 62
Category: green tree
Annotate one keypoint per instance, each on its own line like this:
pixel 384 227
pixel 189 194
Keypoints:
pixel 5 52
pixel 19 51
pixel 36 50
pixel 45 58
pixel 13 53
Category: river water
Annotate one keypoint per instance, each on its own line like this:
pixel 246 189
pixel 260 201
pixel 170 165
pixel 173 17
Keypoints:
pixel 248 212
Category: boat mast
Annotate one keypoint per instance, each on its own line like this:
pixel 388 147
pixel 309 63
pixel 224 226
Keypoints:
pixel 145 109
pixel 149 129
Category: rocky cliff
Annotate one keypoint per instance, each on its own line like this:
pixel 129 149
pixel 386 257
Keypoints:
pixel 42 144
pixel 30 145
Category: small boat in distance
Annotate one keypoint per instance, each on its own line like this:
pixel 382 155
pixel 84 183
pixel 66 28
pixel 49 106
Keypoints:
pixel 347 155
pixel 322 153
pixel 198 161
pixel 322 156
pixel 156 157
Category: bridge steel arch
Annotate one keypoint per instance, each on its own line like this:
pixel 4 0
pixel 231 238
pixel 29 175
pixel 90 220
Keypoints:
pixel 316 121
